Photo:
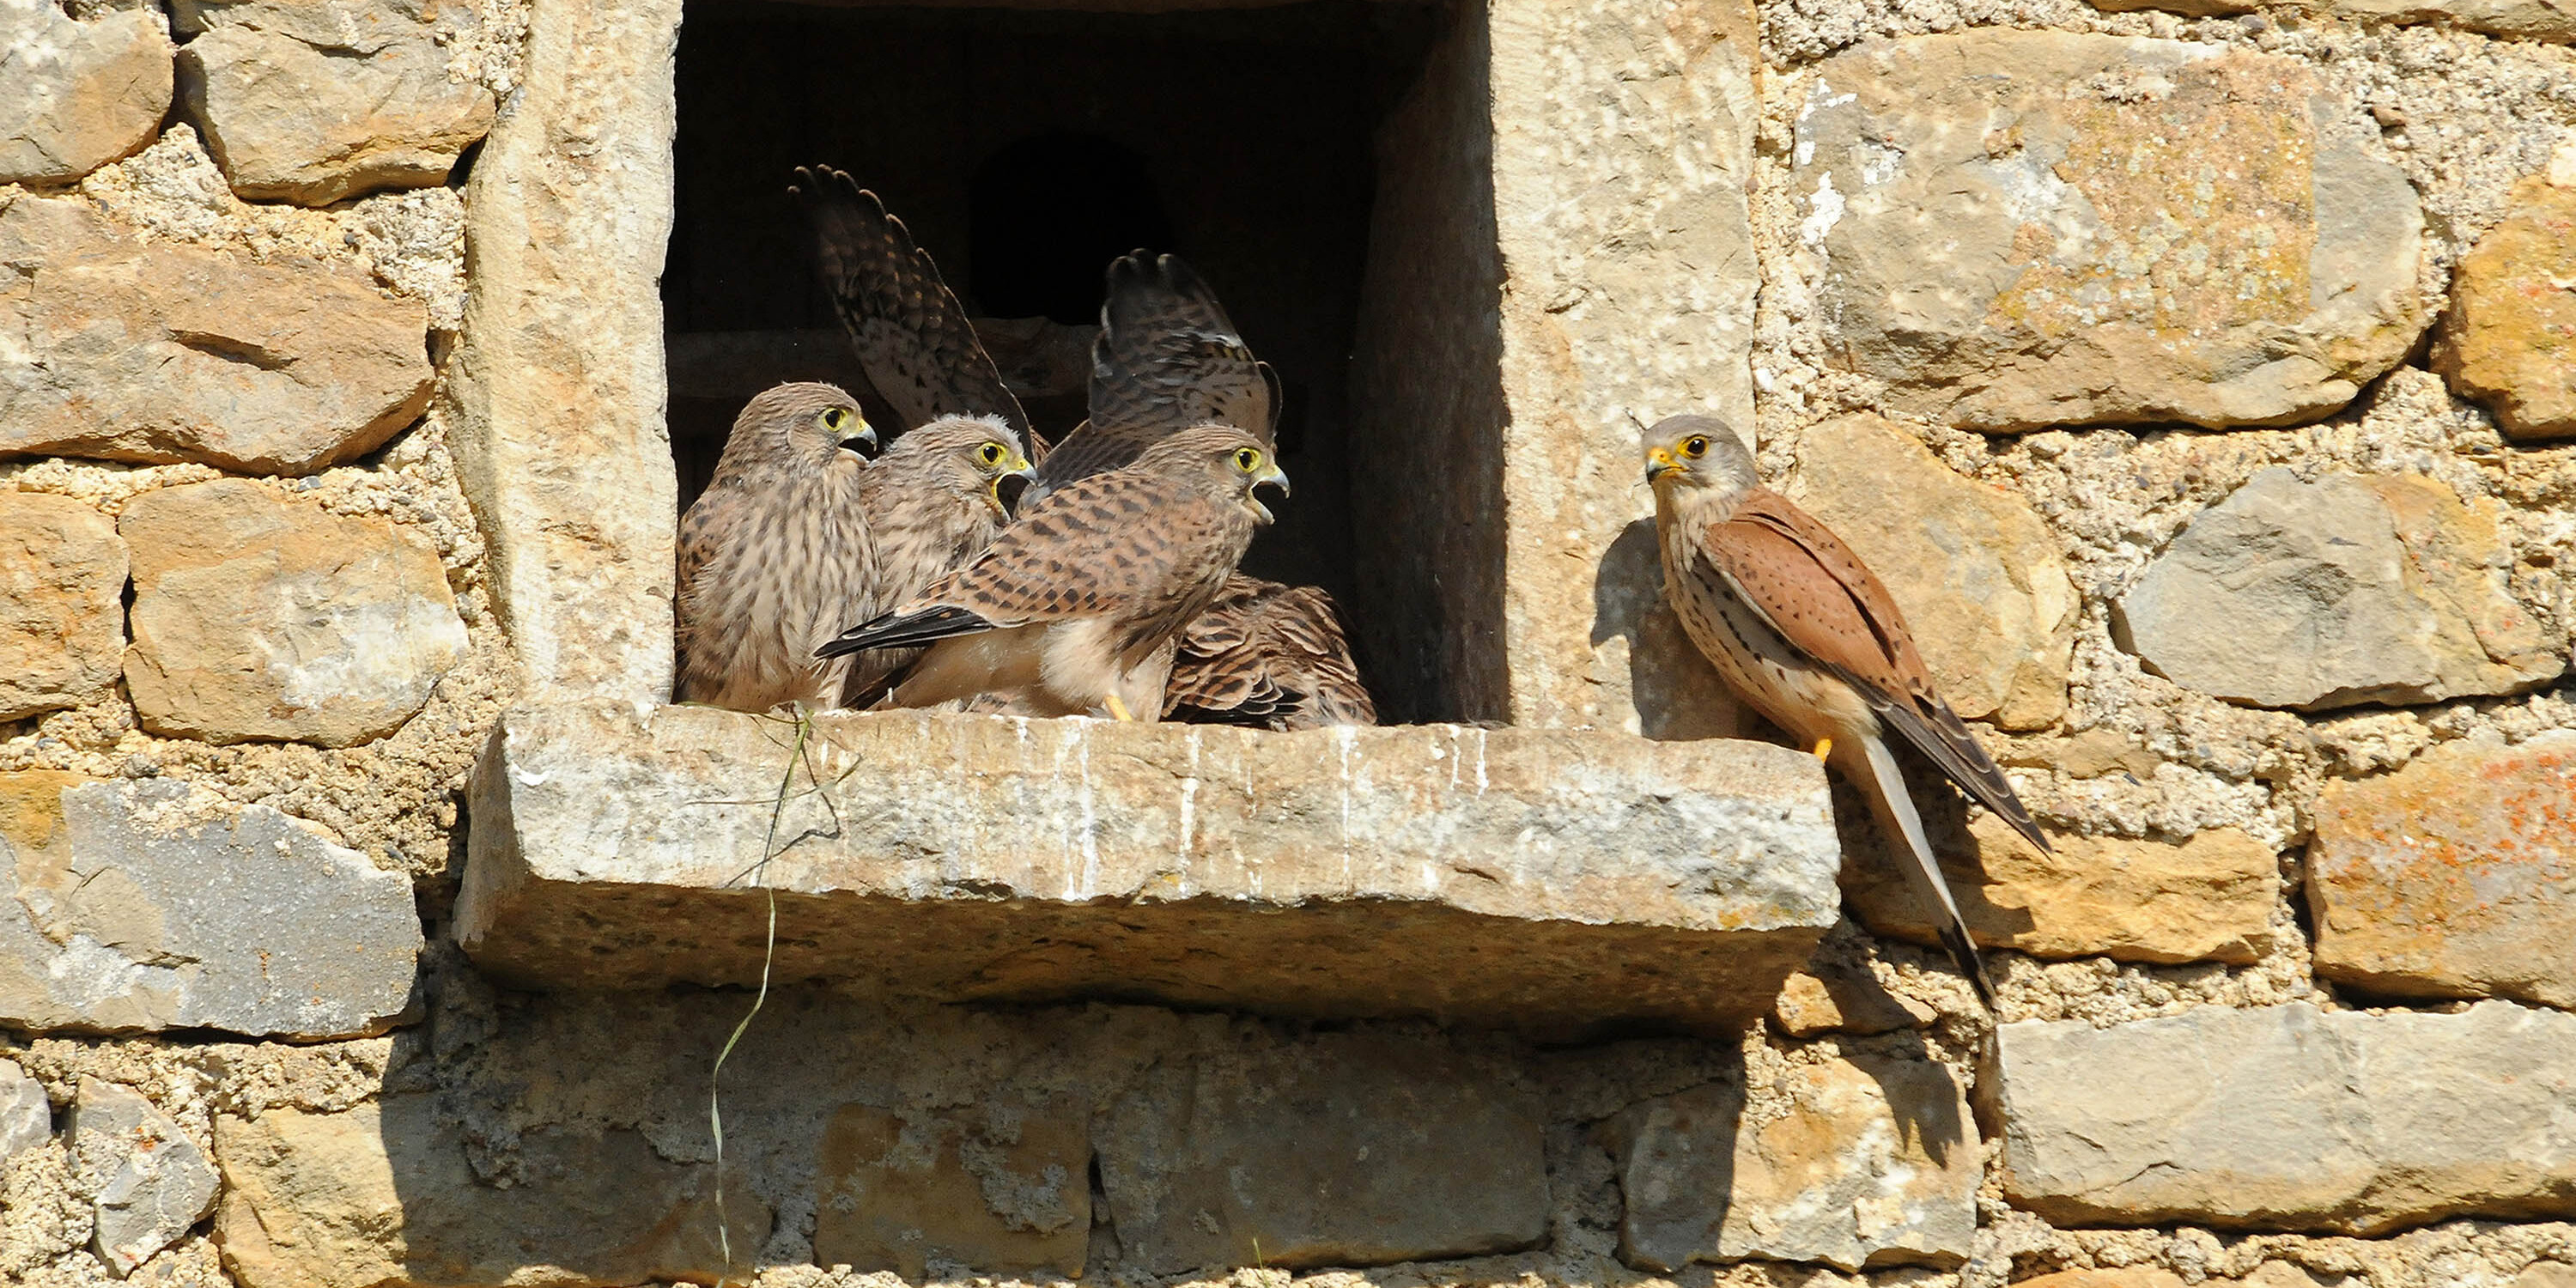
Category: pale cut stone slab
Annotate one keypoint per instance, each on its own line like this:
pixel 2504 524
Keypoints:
pixel 153 1181
pixel 281 368
pixel 2509 337
pixel 2208 898
pixel 1342 1150
pixel 257 615
pixel 1979 577
pixel 62 606
pixel 382 1194
pixel 1553 882
pixel 2550 20
pixel 76 94
pixel 313 101
pixel 2453 877
pixel 138 907
pixel 2028 228
pixel 1869 1161
pixel 2291 1118
pixel 555 389
pixel 26 1117
pixel 1561 252
pixel 2345 590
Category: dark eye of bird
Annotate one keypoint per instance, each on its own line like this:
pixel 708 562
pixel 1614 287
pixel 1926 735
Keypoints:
pixel 1245 459
pixel 991 452
pixel 833 417
pixel 1695 446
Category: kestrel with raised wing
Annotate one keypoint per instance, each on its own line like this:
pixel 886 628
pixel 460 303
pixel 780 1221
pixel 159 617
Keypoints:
pixel 1066 611
pixel 775 552
pixel 1801 629
pixel 910 333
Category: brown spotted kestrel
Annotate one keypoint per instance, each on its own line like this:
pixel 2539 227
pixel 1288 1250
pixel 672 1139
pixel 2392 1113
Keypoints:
pixel 1802 630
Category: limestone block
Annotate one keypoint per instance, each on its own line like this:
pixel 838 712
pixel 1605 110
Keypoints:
pixel 258 616
pixel 2323 594
pixel 1837 997
pixel 26 1117
pixel 382 1194
pixel 316 100
pixel 996 1189
pixel 2290 1118
pixel 2546 1274
pixel 1549 881
pixel 153 1182
pixel 1562 251
pixel 280 368
pixel 2027 228
pixel 74 94
pixel 2208 899
pixel 137 907
pixel 2453 877
pixel 62 605
pixel 1978 576
pixel 2509 339
pixel 1341 1150
pixel 555 390
pixel 1863 1162
pixel 2551 20
pixel 2123 1277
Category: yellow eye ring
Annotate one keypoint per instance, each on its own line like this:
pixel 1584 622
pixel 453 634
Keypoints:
pixel 1247 459
pixel 1695 446
pixel 835 417
pixel 989 453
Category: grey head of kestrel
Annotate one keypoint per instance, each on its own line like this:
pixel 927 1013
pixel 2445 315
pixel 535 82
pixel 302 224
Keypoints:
pixel 774 553
pixel 1803 631
pixel 934 500
pixel 1066 610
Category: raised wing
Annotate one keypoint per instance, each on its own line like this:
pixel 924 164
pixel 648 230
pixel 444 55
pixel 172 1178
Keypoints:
pixel 1167 358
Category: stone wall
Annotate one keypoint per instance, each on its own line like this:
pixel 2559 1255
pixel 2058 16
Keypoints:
pixel 2198 379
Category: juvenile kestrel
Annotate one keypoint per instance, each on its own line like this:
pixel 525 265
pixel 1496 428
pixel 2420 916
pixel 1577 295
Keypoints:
pixel 775 552
pixel 934 500
pixel 911 334
pixel 1267 655
pixel 1065 612
pixel 1167 358
pixel 1803 631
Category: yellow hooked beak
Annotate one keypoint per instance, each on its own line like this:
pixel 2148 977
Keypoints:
pixel 1661 462
pixel 1012 484
pixel 1272 476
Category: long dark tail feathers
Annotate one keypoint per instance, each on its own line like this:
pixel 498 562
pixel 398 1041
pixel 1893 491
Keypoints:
pixel 906 630
pixel 1944 739
pixel 1963 954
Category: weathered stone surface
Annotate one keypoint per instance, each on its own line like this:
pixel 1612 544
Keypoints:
pixel 1547 881
pixel 1564 253
pixel 2551 20
pixel 383 1194
pixel 153 1182
pixel 74 94
pixel 2027 228
pixel 1977 574
pixel 62 606
pixel 2207 899
pixel 259 616
pixel 2124 1277
pixel 1872 1161
pixel 2509 338
pixel 1342 1150
pixel 26 1118
pixel 260 368
pixel 1829 999
pixel 2325 594
pixel 315 100
pixel 2295 1119
pixel 994 1189
pixel 141 906
pixel 2546 1274
pixel 555 389
pixel 2453 877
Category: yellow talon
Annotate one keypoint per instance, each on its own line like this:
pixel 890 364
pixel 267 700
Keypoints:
pixel 1824 748
pixel 1118 709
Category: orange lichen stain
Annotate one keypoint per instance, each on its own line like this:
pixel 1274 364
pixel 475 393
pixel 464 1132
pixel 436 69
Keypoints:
pixel 2206 199
pixel 31 806
pixel 2434 837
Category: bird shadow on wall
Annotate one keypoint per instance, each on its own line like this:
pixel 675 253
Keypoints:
pixel 1677 693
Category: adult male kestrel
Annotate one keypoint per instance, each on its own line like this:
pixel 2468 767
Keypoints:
pixel 910 333
pixel 774 553
pixel 934 500
pixel 1802 630
pixel 1066 611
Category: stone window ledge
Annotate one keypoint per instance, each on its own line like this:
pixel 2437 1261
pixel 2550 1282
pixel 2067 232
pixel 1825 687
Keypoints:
pixel 1557 883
